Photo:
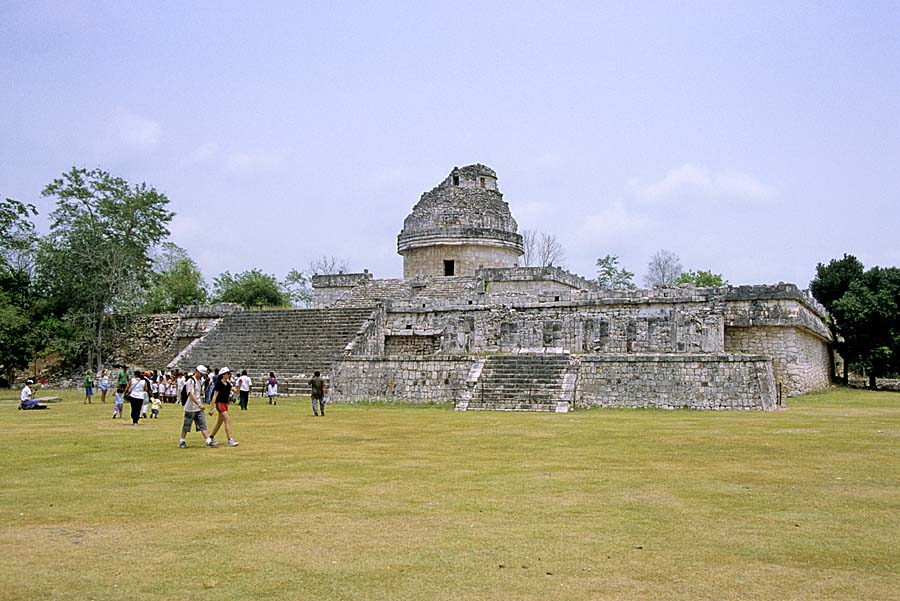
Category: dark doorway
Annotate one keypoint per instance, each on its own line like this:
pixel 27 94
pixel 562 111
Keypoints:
pixel 448 267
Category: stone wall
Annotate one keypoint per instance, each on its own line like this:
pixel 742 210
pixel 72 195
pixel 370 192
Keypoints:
pixel 692 381
pixel 147 341
pixel 467 258
pixel 648 328
pixel 434 379
pixel 330 288
pixel 801 358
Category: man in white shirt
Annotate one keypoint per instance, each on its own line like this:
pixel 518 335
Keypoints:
pixel 193 408
pixel 244 386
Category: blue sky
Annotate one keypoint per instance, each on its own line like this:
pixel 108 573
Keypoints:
pixel 753 139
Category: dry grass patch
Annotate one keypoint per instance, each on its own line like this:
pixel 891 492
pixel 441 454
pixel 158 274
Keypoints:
pixel 391 502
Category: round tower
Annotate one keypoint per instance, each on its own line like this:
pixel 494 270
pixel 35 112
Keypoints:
pixel 460 226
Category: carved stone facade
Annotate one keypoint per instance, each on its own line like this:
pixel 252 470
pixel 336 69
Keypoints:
pixel 493 335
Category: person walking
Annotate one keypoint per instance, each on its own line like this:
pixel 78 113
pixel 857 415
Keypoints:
pixel 136 395
pixel 318 388
pixel 245 384
pixel 221 397
pixel 194 409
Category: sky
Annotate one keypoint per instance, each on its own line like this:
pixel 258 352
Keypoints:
pixel 752 139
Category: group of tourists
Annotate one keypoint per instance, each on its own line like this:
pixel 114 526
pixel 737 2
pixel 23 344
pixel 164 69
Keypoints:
pixel 197 391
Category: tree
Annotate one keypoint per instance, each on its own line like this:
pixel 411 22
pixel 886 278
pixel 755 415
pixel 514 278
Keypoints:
pixel 324 265
pixel 864 314
pixel 298 284
pixel 610 276
pixel 867 317
pixel 541 249
pixel 250 289
pixel 832 281
pixel 17 245
pixel 662 269
pixel 701 279
pixel 299 288
pixel 98 249
pixel 550 251
pixel 177 282
pixel 18 331
pixel 529 247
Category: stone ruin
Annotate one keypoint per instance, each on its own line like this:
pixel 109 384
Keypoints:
pixel 467 325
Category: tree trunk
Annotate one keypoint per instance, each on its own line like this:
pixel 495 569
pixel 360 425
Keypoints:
pixel 846 377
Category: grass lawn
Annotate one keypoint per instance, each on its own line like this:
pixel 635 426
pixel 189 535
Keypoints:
pixel 400 502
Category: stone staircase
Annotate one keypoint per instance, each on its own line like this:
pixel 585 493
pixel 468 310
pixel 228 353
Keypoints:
pixel 521 382
pixel 293 343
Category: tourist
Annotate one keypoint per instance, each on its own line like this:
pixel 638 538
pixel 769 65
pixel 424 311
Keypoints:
pixel 244 385
pixel 136 395
pixel 25 400
pixel 193 408
pixel 317 385
pixel 272 388
pixel 119 402
pixel 154 408
pixel 146 403
pixel 221 397
pixel 43 382
pixel 211 384
pixel 104 385
pixel 88 386
pixel 123 376
pixel 154 386
pixel 179 386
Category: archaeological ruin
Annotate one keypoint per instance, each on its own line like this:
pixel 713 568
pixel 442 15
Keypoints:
pixel 467 324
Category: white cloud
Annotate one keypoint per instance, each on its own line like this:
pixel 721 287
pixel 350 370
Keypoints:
pixel 128 132
pixel 696 182
pixel 253 161
pixel 615 223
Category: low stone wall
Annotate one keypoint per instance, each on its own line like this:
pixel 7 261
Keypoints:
pixel 686 381
pixel 397 378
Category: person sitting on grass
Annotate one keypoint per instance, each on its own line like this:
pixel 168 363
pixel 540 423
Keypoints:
pixel 25 400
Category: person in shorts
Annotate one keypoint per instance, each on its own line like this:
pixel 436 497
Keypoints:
pixel 88 386
pixel 104 385
pixel 221 398
pixel 193 408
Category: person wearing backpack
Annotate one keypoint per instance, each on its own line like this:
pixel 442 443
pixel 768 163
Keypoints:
pixel 193 408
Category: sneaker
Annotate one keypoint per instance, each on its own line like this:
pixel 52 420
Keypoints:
pixel 233 443
pixel 182 445
pixel 212 443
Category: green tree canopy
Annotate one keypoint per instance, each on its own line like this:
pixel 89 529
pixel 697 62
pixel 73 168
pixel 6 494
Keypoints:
pixel 98 250
pixel 250 289
pixel 610 275
pixel 176 282
pixel 701 279
pixel 864 307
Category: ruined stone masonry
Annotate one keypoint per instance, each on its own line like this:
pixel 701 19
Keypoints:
pixel 467 325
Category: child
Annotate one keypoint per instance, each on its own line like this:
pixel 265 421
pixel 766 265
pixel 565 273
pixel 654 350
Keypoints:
pixel 119 402
pixel 88 386
pixel 272 388
pixel 154 408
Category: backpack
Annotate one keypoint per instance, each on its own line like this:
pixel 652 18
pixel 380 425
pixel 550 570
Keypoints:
pixel 184 394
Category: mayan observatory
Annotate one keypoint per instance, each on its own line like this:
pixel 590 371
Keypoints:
pixel 467 324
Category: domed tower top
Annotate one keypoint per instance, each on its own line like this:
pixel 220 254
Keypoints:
pixel 460 226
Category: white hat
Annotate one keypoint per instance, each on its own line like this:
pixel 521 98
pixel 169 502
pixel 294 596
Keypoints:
pixel 202 369
pixel 224 370
pixel 29 381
